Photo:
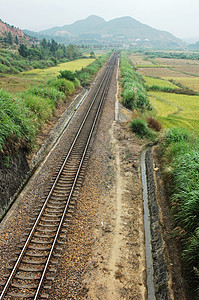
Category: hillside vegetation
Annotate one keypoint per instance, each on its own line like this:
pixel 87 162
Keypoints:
pixel 46 55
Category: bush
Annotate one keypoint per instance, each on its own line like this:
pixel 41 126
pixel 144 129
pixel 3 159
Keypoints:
pixel 65 86
pixel 140 128
pixel 48 92
pixel 69 75
pixel 133 90
pixel 154 124
pixel 42 108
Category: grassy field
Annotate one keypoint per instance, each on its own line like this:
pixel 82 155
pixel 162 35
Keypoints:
pixel 191 82
pixel 26 80
pixel 150 81
pixel 176 110
pixel 173 109
pixel 54 71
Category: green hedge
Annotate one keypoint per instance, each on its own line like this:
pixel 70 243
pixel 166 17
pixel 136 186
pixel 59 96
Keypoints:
pixel 133 90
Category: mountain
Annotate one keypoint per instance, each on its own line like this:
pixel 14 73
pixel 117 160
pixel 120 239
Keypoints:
pixel 124 30
pixel 10 35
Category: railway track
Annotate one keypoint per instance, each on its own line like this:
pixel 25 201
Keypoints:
pixel 32 272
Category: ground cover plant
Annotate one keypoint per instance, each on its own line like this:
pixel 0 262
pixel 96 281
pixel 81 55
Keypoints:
pixel 179 151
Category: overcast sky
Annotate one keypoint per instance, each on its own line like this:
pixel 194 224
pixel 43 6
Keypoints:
pixel 180 17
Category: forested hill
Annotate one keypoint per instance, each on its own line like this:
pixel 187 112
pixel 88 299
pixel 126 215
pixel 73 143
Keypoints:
pixel 124 30
pixel 10 35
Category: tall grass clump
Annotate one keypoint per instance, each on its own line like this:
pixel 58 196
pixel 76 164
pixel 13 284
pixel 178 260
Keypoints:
pixel 140 128
pixel 133 90
pixel 48 92
pixel 180 156
pixel 16 121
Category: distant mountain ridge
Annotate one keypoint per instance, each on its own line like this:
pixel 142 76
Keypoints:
pixel 124 30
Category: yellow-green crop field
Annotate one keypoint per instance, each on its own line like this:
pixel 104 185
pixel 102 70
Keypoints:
pixel 190 82
pixel 150 81
pixel 54 71
pixel 25 80
pixel 176 110
pixel 151 66
pixel 172 109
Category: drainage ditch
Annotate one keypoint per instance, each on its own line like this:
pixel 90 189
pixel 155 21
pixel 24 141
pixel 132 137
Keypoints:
pixel 156 267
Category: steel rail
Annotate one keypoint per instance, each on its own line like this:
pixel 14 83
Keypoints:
pixel 14 270
pixel 72 189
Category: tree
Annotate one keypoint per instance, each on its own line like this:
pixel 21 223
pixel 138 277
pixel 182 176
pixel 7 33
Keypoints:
pixel 92 54
pixel 53 47
pixel 23 51
pixel 9 38
pixel 72 52
pixel 44 44
pixel 16 40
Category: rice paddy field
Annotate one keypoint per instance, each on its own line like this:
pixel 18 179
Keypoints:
pixel 176 110
pixel 172 109
pixel 150 81
pixel 190 82
pixel 26 80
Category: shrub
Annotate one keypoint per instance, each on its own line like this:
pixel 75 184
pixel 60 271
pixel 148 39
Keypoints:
pixel 140 128
pixel 48 92
pixel 65 86
pixel 42 108
pixel 69 75
pixel 154 124
pixel 16 121
pixel 133 90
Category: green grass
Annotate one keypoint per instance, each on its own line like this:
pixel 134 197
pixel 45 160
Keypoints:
pixel 179 151
pixel 150 81
pixel 176 110
pixel 54 71
pixel 26 80
pixel 151 66
pixel 190 82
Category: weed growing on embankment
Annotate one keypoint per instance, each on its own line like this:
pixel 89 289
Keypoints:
pixel 179 152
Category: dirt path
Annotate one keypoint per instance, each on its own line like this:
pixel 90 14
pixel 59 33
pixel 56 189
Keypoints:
pixel 117 270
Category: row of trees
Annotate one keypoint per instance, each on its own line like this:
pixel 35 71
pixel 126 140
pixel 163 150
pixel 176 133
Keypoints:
pixel 48 49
